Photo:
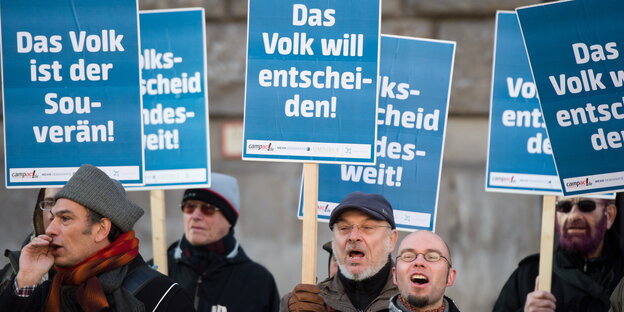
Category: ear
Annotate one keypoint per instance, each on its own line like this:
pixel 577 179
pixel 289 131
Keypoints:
pixel 102 229
pixel 393 239
pixel 611 212
pixel 450 280
pixel 394 278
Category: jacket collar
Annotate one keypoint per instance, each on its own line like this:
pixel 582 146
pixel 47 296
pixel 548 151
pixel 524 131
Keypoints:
pixel 334 294
pixel 177 252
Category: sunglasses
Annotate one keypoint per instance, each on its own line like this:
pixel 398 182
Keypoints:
pixel 585 205
pixel 207 209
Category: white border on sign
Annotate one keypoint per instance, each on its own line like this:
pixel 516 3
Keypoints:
pixel 62 174
pixel 503 179
pixel 193 174
pixel 533 75
pixel 312 149
pixel 448 98
pixel 318 161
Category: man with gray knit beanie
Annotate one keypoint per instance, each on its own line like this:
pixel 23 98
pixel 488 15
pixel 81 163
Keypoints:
pixel 91 244
pixel 209 262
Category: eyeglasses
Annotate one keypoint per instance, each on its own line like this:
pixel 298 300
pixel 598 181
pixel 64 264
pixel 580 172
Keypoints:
pixel 207 209
pixel 46 205
pixel 344 228
pixel 430 256
pixel 585 205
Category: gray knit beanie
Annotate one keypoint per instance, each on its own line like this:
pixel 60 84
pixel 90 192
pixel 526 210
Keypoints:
pixel 92 188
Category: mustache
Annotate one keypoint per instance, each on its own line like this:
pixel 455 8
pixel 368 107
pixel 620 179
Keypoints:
pixel 353 246
pixel 575 223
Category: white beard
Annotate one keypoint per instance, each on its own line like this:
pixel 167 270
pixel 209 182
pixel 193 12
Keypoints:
pixel 372 270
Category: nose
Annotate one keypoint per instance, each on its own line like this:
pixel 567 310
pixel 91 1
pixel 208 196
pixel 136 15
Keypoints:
pixel 197 213
pixel 420 260
pixel 52 228
pixel 355 233
pixel 575 209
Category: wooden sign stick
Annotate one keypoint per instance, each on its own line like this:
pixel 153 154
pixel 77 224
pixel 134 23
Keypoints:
pixel 159 232
pixel 547 243
pixel 310 205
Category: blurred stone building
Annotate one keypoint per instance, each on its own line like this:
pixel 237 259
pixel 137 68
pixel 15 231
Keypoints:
pixel 488 233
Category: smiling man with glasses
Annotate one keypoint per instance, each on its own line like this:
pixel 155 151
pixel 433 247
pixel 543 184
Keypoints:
pixel 209 262
pixel 364 235
pixel 587 264
pixel 422 272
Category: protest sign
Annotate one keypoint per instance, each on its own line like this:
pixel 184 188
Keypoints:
pixel 574 52
pixel 71 90
pixel 519 152
pixel 415 82
pixel 310 93
pixel 175 99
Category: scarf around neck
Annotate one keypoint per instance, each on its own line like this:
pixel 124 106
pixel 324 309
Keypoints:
pixel 89 293
pixel 362 293
pixel 202 257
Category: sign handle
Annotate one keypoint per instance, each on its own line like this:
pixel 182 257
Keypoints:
pixel 159 243
pixel 310 205
pixel 547 243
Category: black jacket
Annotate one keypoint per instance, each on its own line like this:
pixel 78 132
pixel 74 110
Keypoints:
pixel 577 285
pixel 149 294
pixel 450 305
pixel 234 282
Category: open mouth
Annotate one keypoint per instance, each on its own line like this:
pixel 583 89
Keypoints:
pixel 356 254
pixel 54 247
pixel 419 279
pixel 576 230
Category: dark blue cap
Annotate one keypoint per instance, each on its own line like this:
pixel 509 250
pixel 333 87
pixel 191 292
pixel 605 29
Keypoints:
pixel 374 205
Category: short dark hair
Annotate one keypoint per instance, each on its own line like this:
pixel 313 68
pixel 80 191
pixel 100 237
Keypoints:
pixel 95 217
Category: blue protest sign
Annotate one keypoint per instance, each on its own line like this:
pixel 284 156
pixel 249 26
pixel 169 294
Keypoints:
pixel 71 90
pixel 519 152
pixel 310 92
pixel 175 99
pixel 415 83
pixel 574 52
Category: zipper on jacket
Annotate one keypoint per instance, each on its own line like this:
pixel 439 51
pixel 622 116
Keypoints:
pixel 199 282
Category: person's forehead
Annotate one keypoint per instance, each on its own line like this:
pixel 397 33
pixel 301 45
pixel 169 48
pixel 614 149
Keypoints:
pixel 579 198
pixel 423 241
pixel 64 204
pixel 355 214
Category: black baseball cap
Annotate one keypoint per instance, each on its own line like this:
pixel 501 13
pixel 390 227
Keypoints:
pixel 374 205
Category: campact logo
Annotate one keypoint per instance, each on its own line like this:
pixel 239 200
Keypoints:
pixel 23 175
pixel 575 184
pixel 261 147
pixel 504 179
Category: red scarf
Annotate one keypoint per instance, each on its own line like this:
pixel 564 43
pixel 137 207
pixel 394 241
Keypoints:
pixel 90 295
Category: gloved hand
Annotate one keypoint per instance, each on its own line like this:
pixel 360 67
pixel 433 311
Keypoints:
pixel 305 297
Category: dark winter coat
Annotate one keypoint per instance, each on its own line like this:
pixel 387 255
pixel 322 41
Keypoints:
pixel 578 285
pixel 617 298
pixel 233 283
pixel 336 298
pixel 449 305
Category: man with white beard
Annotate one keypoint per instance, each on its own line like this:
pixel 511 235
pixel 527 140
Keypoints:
pixel 364 235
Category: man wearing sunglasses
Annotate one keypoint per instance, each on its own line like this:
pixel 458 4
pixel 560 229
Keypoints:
pixel 364 235
pixel 422 272
pixel 587 263
pixel 209 262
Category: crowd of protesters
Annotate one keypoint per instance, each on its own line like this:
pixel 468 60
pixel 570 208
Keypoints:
pixel 83 256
